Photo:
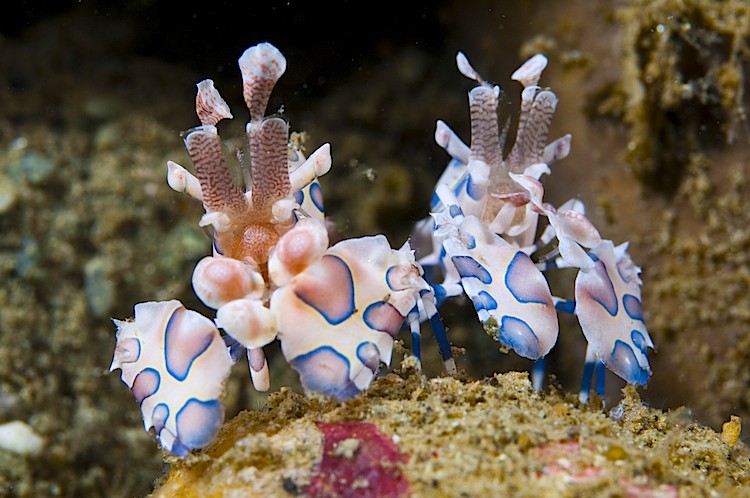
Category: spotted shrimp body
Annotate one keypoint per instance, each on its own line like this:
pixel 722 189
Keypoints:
pixel 486 209
pixel 175 362
pixel 272 274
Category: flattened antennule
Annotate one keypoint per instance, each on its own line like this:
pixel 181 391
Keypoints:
pixel 209 105
pixel 261 67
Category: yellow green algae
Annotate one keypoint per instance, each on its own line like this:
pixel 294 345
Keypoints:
pixel 490 437
pixel 684 82
pixel 691 235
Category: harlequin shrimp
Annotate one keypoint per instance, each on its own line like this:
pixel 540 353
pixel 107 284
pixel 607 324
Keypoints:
pixel 335 310
pixel 486 209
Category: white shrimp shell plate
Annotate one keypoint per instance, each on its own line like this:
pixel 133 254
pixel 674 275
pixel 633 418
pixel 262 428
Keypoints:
pixel 337 319
pixel 608 305
pixel 175 362
pixel 510 294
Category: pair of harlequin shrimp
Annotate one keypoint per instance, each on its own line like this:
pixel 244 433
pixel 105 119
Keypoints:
pixel 337 309
pixel 486 209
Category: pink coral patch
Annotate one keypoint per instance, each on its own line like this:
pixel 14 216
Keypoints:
pixel 369 468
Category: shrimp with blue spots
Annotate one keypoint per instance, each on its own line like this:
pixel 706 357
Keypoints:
pixel 510 295
pixel 486 211
pixel 337 319
pixel 176 364
pixel 272 274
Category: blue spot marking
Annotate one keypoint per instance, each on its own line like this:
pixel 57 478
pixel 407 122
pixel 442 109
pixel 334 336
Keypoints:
pixel 294 157
pixel 440 294
pixel 468 267
pixel 179 449
pixel 483 301
pixel 593 257
pixel 517 335
pixel 316 195
pixel 454 211
pixel 299 197
pixel 633 307
pixel 211 415
pixel 389 277
pixel 623 362
pixel 609 300
pixel 179 371
pixel 326 371
pixel 138 343
pixel 473 190
pixel 333 312
pixel 516 280
pixel 600 375
pixel 365 354
pixel 383 317
pixel 441 337
pixel 588 375
pixel 141 382
pixel 468 240
pixel 159 415
pixel 639 340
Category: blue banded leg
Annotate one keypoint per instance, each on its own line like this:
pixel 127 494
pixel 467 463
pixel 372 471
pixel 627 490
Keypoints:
pixel 537 374
pixel 600 376
pixel 416 335
pixel 439 331
pixel 588 373
pixel 596 369
pixel 591 364
pixel 445 291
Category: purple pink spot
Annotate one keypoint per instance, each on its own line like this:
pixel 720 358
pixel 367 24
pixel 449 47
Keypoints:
pixel 484 301
pixel 325 370
pixel 198 422
pixel 159 417
pixel 330 291
pixel 316 195
pixel 633 307
pixel 468 267
pixel 517 335
pixel 145 384
pixel 369 355
pixel 600 289
pixel 623 362
pixel 524 280
pixel 639 341
pixel 383 317
pixel 185 339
